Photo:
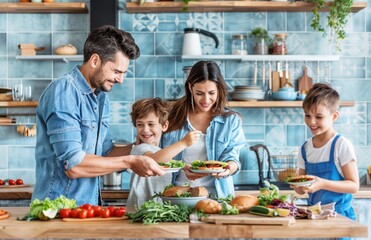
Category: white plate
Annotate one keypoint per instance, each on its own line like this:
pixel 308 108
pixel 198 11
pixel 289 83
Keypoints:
pixel 207 171
pixel 171 170
pixel 307 183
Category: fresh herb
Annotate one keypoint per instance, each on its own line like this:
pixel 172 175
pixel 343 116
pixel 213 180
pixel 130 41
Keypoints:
pixel 269 195
pixel 228 209
pixel 172 164
pixel 152 212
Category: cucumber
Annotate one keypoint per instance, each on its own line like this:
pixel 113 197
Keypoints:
pixel 263 211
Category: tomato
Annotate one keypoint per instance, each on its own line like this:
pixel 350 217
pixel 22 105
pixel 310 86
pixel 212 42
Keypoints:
pixel 90 213
pixel 111 210
pixel 86 206
pixel 83 213
pixel 75 212
pixel 65 213
pixel 97 210
pixel 104 213
pixel 119 212
pixel 2 182
pixel 11 182
pixel 19 181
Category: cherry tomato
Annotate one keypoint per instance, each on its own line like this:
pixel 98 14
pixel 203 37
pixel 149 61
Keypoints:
pixel 65 213
pixel 119 212
pixel 83 213
pixel 104 213
pixel 86 206
pixel 2 182
pixel 97 210
pixel 11 182
pixel 19 181
pixel 75 212
pixel 90 213
pixel 111 210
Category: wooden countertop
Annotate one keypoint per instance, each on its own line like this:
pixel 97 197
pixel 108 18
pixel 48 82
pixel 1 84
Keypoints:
pixel 26 193
pixel 56 228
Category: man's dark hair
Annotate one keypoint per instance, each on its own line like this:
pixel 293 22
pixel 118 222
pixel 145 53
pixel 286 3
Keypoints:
pixel 108 40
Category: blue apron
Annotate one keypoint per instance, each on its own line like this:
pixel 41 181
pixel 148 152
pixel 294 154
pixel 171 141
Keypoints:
pixel 328 170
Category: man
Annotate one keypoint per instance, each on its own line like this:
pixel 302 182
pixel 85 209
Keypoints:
pixel 73 146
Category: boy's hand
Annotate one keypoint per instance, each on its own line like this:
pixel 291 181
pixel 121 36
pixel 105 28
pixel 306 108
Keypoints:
pixel 192 137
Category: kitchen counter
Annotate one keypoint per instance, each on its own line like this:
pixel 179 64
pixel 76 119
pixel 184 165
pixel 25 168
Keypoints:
pixel 26 193
pixel 56 228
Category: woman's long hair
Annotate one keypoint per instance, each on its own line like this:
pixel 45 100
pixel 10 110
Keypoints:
pixel 200 72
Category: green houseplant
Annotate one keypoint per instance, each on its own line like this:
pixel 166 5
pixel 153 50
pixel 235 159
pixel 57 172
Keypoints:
pixel 336 18
pixel 261 39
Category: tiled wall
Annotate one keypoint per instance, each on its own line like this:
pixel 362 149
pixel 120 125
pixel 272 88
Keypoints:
pixel 158 72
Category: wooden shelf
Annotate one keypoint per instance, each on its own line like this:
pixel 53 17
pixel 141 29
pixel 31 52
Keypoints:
pixel 230 6
pixel 64 58
pixel 52 7
pixel 14 104
pixel 315 58
pixel 276 104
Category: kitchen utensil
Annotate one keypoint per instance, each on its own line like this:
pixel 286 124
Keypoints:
pixel 305 82
pixel 192 41
pixel 262 155
pixel 247 218
pixel 112 181
pixel 284 166
pixel 5 90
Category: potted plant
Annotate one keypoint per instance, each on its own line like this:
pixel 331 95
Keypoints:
pixel 261 39
pixel 336 18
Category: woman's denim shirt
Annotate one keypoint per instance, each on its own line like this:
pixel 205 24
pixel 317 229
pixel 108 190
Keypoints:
pixel 68 116
pixel 224 140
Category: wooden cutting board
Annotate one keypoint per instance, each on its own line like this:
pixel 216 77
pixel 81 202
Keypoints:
pixel 305 82
pixel 15 186
pixel 94 219
pixel 246 218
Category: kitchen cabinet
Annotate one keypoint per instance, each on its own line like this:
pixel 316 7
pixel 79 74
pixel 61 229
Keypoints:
pixel 230 6
pixel 44 7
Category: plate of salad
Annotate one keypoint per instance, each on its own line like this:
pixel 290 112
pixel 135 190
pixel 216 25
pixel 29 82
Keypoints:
pixel 172 165
pixel 302 180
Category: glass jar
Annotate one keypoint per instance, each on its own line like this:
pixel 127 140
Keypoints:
pixel 279 44
pixel 239 44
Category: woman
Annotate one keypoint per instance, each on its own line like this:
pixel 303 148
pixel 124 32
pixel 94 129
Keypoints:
pixel 203 108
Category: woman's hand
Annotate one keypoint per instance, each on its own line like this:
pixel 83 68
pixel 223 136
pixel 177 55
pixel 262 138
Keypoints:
pixel 229 170
pixel 191 175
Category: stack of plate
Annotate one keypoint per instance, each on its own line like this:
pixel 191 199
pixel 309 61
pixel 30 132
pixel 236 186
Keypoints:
pixel 248 93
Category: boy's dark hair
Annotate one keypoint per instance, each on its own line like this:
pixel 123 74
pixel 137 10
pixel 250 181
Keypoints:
pixel 322 93
pixel 108 40
pixel 143 107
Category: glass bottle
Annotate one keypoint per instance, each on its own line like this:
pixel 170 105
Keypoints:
pixel 279 44
pixel 239 44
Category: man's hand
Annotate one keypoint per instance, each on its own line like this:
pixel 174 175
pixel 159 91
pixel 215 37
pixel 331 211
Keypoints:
pixel 145 166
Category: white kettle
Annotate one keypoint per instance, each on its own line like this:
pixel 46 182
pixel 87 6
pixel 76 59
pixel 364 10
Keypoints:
pixel 192 42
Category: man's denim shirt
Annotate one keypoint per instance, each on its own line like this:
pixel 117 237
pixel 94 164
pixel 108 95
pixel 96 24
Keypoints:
pixel 67 129
pixel 224 140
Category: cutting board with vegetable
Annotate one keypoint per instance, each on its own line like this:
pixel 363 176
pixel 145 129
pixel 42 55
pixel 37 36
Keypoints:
pixel 305 82
pixel 247 218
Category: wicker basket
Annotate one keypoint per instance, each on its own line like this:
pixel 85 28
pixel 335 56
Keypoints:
pixel 284 166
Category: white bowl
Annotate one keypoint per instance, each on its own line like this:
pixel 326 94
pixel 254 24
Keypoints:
pixel 189 201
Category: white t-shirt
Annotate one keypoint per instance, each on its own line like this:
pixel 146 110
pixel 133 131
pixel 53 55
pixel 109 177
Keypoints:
pixel 343 153
pixel 196 151
pixel 143 188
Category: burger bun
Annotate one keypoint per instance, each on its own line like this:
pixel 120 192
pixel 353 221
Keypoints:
pixel 244 202
pixel 208 206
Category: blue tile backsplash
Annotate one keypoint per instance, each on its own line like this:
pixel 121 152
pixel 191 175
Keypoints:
pixel 158 73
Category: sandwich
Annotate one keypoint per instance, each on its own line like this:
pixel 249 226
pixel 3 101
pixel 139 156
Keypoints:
pixel 208 165
pixel 301 178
